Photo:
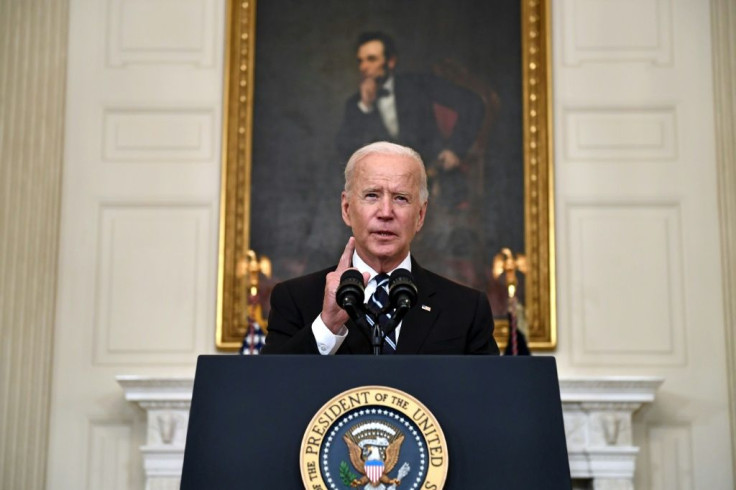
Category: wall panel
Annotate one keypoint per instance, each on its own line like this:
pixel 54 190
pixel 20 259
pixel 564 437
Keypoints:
pixel 602 31
pixel 620 134
pixel 627 273
pixel 172 135
pixel 149 296
pixel 164 32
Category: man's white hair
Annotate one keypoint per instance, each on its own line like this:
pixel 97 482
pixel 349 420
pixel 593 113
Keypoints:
pixel 386 148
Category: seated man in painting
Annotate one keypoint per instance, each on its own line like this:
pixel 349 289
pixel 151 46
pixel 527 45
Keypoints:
pixel 400 107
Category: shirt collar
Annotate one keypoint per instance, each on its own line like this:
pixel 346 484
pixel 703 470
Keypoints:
pixel 388 85
pixel 362 267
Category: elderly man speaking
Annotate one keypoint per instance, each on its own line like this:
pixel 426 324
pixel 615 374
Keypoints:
pixel 384 203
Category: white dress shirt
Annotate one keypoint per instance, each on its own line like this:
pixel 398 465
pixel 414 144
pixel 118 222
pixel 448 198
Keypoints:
pixel 328 342
pixel 386 105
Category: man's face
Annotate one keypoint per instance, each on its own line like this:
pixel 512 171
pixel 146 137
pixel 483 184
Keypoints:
pixel 384 209
pixel 372 62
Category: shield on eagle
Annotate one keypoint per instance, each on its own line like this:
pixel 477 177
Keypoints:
pixel 374 470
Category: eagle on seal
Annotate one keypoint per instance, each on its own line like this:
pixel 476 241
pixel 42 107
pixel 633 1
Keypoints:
pixel 372 462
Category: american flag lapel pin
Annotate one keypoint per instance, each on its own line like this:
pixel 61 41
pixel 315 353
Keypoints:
pixel 426 308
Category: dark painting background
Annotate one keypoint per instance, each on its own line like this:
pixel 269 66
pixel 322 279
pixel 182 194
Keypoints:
pixel 305 69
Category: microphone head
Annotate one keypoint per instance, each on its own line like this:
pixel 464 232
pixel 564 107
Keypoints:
pixel 351 290
pixel 401 289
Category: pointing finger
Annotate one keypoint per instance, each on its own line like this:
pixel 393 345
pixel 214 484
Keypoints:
pixel 347 255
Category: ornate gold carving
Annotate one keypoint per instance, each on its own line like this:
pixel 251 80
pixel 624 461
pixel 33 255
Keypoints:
pixel 232 294
pixel 539 184
pixel 249 270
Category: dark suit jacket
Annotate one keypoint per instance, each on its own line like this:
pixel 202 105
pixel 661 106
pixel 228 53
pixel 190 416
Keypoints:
pixel 415 95
pixel 448 319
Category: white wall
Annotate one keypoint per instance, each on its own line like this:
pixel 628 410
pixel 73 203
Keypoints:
pixel 639 264
pixel 140 207
pixel 639 276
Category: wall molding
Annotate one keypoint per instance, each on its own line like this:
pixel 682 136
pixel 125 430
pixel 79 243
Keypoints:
pixel 592 38
pixel 723 19
pixel 33 54
pixel 606 333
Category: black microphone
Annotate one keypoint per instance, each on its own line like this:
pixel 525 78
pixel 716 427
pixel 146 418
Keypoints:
pixel 351 290
pixel 402 292
pixel 350 294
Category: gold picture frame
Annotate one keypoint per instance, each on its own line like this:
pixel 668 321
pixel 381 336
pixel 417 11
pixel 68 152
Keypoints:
pixel 234 281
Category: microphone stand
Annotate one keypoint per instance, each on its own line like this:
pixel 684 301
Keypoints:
pixel 377 338
pixel 359 314
pixel 402 293
pixel 377 335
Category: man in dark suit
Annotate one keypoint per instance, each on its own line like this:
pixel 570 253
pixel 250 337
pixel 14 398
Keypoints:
pixel 385 204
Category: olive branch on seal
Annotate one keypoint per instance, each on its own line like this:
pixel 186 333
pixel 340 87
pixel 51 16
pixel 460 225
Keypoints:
pixel 346 475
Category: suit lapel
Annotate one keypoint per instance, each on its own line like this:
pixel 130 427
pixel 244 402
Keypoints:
pixel 420 320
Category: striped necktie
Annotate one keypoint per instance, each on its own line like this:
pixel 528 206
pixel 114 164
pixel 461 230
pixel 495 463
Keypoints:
pixel 378 306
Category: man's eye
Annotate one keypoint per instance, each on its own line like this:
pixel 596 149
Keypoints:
pixel 402 198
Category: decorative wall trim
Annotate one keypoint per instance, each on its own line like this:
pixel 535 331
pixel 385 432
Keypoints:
pixel 620 134
pixel 145 134
pixel 600 31
pixel 605 329
pixel 134 252
pixel 109 455
pixel 32 92
pixel 670 457
pixel 161 32
pixel 723 18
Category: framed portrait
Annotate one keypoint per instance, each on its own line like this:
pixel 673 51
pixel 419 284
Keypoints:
pixel 291 84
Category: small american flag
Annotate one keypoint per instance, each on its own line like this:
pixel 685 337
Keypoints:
pixel 516 345
pixel 254 339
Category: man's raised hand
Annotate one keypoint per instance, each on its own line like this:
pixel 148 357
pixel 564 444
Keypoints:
pixel 332 315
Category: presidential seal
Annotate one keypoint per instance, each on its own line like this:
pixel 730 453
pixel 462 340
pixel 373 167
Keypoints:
pixel 373 438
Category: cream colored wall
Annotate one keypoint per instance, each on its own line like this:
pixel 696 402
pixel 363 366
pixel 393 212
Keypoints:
pixel 638 169
pixel 139 222
pixel 639 261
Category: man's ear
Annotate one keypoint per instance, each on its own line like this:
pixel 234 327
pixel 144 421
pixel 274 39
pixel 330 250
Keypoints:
pixel 392 63
pixel 344 206
pixel 422 215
